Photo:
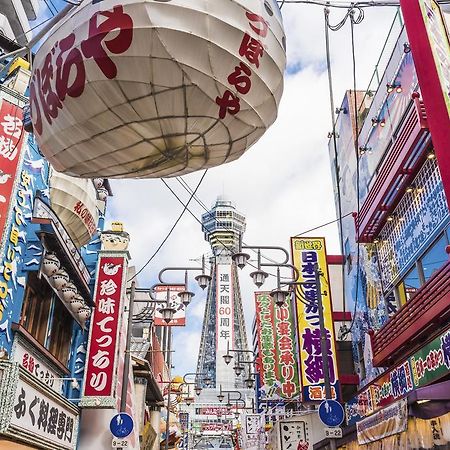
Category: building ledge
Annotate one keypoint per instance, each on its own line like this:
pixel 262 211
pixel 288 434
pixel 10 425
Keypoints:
pixel 416 321
pixel 401 163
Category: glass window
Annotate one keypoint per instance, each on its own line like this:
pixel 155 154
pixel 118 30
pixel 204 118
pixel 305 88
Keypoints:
pixel 411 283
pixel 46 318
pixel 435 257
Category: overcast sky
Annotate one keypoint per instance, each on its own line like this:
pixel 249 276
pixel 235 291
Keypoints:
pixel 282 184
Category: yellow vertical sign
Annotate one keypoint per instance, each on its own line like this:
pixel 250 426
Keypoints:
pixel 306 254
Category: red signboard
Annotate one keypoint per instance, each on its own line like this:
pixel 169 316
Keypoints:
pixel 11 138
pixel 430 49
pixel 102 352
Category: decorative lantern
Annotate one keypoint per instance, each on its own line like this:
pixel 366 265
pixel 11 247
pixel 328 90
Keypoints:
pixel 74 200
pixel 50 264
pixel 76 303
pixel 83 314
pixel 59 279
pixel 157 88
pixel 68 292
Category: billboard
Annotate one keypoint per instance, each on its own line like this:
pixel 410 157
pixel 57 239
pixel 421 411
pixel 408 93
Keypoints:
pixel 306 253
pixel 179 317
pixel 277 349
pixel 101 361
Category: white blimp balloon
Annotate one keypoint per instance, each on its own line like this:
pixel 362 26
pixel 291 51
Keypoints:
pixel 153 88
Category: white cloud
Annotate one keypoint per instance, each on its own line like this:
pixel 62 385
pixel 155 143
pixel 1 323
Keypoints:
pixel 282 184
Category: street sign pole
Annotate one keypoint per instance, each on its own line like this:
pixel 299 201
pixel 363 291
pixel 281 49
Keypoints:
pixel 323 345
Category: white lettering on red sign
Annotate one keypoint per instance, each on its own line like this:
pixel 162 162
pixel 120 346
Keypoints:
pixel 102 346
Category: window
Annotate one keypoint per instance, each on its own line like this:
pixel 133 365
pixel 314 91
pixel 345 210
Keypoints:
pixel 46 318
pixel 433 259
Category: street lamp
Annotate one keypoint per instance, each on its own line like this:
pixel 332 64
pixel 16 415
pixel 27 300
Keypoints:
pixel 259 276
pixel 198 390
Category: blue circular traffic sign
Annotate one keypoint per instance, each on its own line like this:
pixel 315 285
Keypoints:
pixel 121 425
pixel 331 413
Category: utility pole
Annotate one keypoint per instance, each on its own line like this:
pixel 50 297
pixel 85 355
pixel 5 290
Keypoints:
pixel 323 345
pixel 169 366
pixel 127 358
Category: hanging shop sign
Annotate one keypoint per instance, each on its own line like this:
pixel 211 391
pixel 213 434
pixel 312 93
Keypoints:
pixel 12 279
pixel 266 344
pixel 224 308
pixel 74 201
pixel 212 411
pixel 105 113
pixel 11 140
pixel 277 348
pixel 216 426
pixel 33 362
pixel 34 413
pixel 102 359
pixel 295 434
pixel 306 253
pixel 391 420
pixel 425 366
pixel 179 316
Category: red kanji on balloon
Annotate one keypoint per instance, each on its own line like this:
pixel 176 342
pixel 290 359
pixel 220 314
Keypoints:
pixel 251 49
pixel 240 78
pixel 262 27
pixel 72 63
pixel 228 103
pixel 92 47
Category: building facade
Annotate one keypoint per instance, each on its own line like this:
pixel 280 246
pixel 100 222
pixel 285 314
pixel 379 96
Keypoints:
pixel 391 195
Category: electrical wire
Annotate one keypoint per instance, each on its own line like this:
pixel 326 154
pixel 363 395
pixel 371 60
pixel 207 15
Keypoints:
pixel 336 166
pixel 171 230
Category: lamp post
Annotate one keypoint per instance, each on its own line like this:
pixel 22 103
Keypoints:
pixel 167 311
pixel 280 296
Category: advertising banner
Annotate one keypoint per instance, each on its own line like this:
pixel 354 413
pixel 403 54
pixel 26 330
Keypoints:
pixel 306 253
pixel 179 316
pixel 296 434
pixel 277 349
pixel 391 420
pixel 11 140
pixel 425 366
pixel 101 361
pixel 224 307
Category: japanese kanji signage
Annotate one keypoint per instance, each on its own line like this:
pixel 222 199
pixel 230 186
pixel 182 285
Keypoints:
pixel 277 348
pixel 100 376
pixel 11 138
pixel 295 434
pixel 179 317
pixel 224 305
pixel 43 417
pixel 425 366
pixel 391 420
pixel 306 253
pixel 35 412
pixel 34 363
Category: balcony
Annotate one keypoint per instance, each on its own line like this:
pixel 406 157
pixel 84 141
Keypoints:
pixel 401 163
pixel 416 321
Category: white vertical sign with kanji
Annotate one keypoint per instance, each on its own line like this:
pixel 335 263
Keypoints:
pixel 224 305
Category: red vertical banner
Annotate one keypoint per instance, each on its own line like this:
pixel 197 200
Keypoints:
pixel 429 42
pixel 11 140
pixel 101 361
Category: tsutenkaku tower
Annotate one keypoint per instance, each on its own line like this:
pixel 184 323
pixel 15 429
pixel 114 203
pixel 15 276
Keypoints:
pixel 223 323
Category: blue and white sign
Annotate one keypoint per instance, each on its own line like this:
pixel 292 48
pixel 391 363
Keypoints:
pixel 121 425
pixel 331 413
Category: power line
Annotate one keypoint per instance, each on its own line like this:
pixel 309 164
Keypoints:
pixel 171 230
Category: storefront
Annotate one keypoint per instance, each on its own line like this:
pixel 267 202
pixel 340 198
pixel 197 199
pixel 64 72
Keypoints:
pixel 32 413
pixel 408 406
